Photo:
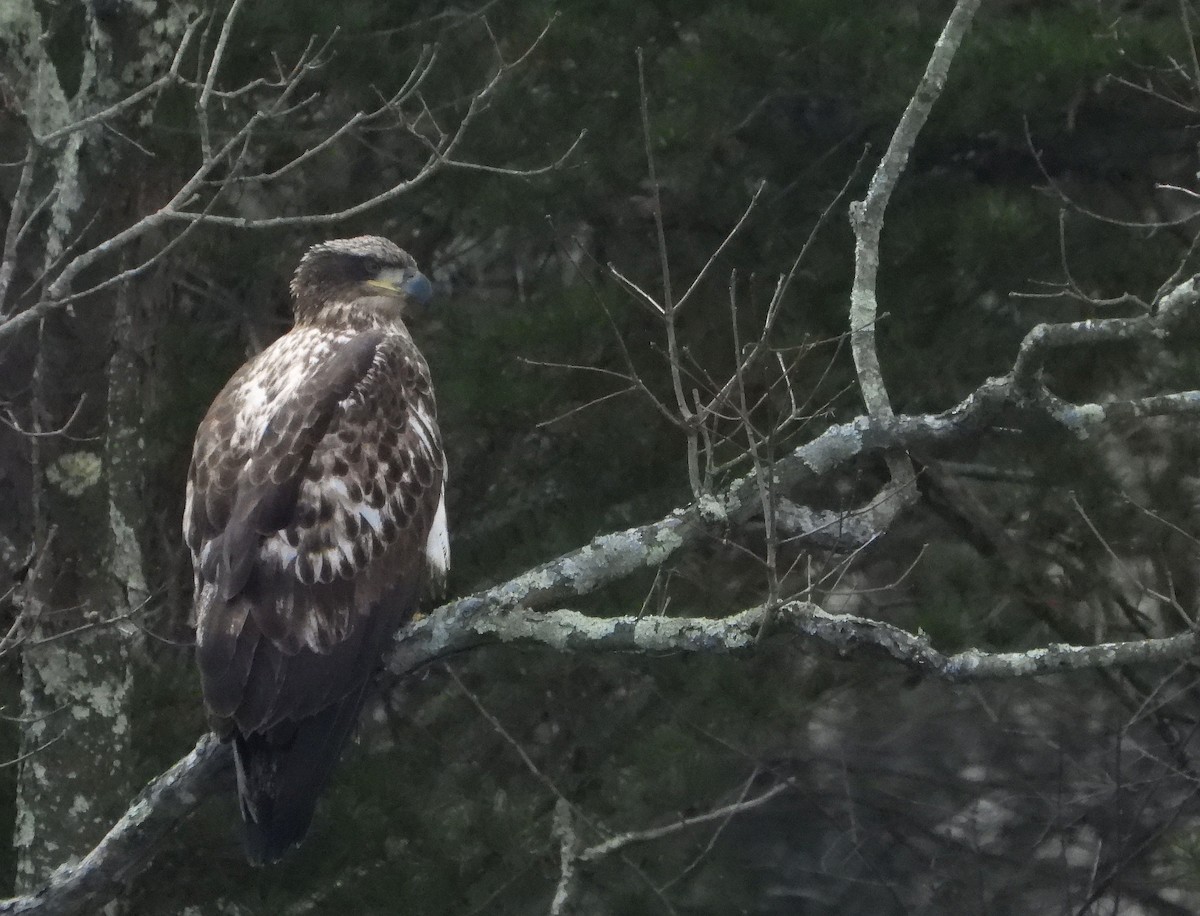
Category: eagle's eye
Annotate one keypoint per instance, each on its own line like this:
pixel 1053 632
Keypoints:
pixel 372 266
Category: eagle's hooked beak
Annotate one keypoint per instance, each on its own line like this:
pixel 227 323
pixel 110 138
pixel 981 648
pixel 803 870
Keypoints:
pixel 412 283
pixel 418 287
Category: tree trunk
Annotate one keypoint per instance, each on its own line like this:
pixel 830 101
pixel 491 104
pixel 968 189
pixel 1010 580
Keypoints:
pixel 87 578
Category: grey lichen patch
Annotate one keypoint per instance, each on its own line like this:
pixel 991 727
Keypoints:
pixel 80 688
pixel 68 196
pixel 62 671
pixel 829 449
pixel 512 593
pixel 566 629
pixel 75 472
pixel 558 629
pixel 69 678
pixel 109 698
pixel 612 556
pixel 711 508
pixel 666 541
pixel 964 663
pixel 19 21
pixel 582 569
pixel 127 556
pixel 1083 417
pixel 26 827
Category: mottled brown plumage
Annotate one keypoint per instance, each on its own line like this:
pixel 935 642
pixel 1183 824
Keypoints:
pixel 315 518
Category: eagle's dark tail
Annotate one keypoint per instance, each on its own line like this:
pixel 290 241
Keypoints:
pixel 281 774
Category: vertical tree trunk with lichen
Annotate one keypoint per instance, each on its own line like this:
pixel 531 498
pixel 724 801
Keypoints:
pixel 87 576
pixel 76 677
pixel 78 660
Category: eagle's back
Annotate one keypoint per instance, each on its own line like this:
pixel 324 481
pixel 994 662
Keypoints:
pixel 315 518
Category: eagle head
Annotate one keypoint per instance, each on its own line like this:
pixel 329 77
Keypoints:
pixel 339 272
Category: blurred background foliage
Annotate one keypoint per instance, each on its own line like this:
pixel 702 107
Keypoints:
pixel 1061 795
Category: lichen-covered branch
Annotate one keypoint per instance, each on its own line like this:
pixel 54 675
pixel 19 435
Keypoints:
pixel 132 842
pixel 567 630
pixel 866 218
pixel 1170 310
pixel 849 634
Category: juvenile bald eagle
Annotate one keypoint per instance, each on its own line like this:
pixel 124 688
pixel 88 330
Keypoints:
pixel 316 518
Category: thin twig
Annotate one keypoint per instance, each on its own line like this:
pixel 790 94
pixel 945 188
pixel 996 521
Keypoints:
pixel 615 843
pixel 213 67
pixel 669 305
pixel 8 257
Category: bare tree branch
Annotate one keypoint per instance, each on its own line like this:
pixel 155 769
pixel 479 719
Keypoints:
pixel 213 67
pixel 866 217
pixel 564 829
pixel 716 814
pixel 670 307
pixel 134 839
pixel 191 206
pixel 8 257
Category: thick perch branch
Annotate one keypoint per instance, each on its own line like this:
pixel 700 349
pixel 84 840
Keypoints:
pixel 133 841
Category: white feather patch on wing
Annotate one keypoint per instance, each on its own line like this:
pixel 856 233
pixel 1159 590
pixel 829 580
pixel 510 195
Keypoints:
pixel 371 517
pixel 187 508
pixel 437 546
pixel 279 550
pixel 423 427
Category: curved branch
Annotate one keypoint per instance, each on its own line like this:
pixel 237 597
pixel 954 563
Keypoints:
pixel 866 218
pixel 1170 311
pixel 567 630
